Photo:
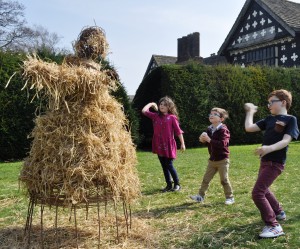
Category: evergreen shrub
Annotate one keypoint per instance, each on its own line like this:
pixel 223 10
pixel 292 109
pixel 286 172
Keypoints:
pixel 196 89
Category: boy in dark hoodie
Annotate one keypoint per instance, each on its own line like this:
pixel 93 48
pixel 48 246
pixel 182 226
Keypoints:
pixel 217 140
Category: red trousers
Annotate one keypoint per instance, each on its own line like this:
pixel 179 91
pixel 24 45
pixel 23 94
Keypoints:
pixel 263 198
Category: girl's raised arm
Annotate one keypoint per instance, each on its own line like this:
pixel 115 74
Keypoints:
pixel 147 107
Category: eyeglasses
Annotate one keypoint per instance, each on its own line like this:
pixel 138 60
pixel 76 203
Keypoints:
pixel 273 101
pixel 214 115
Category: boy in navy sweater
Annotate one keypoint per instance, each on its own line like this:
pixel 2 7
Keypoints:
pixel 280 128
pixel 217 140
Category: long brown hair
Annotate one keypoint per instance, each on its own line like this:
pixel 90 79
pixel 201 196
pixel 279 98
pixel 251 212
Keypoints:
pixel 170 104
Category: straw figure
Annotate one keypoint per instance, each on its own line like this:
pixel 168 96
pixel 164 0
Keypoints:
pixel 82 154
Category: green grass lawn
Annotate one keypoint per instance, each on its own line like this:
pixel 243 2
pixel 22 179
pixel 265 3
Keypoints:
pixel 174 220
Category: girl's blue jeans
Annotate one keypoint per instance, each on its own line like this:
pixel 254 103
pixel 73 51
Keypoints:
pixel 169 170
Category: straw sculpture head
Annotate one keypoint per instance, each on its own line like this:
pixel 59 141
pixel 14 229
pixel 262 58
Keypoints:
pixel 91 44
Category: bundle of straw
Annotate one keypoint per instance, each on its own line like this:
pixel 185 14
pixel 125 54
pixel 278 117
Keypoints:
pixel 81 151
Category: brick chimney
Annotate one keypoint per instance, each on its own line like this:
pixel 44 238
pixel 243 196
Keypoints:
pixel 188 47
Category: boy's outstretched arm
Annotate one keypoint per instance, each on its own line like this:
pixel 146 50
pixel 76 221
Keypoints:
pixel 249 125
pixel 265 149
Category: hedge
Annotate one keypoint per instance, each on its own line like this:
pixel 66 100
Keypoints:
pixel 196 89
pixel 16 111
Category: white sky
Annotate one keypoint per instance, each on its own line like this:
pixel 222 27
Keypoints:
pixel 136 29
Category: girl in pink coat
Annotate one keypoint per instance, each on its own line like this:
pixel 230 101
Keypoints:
pixel 165 126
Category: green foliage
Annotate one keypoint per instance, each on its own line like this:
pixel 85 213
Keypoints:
pixel 16 111
pixel 46 54
pixel 122 97
pixel 196 89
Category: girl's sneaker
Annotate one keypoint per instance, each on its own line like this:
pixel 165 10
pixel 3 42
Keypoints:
pixel 168 188
pixel 229 201
pixel 197 198
pixel 271 232
pixel 176 187
pixel 281 216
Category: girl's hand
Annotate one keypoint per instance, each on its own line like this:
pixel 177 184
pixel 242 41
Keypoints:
pixel 249 107
pixel 182 147
pixel 154 106
pixel 148 106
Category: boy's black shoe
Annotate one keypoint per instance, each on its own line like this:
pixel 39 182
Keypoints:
pixel 168 188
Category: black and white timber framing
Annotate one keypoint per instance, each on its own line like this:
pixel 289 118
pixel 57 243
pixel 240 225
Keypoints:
pixel 266 32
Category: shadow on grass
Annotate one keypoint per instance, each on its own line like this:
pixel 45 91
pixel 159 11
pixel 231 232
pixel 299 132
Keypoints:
pixel 87 236
pixel 243 236
pixel 292 219
pixel 227 234
pixel 187 206
pixel 63 237
pixel 226 237
pixel 235 236
pixel 14 237
pixel 152 191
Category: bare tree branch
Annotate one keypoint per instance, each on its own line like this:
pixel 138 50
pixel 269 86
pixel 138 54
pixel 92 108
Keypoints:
pixel 17 36
pixel 11 22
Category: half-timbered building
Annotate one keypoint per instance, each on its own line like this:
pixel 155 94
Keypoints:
pixel 266 32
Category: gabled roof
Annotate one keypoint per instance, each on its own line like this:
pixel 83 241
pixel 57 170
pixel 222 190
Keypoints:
pixel 159 60
pixel 164 59
pixel 285 12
